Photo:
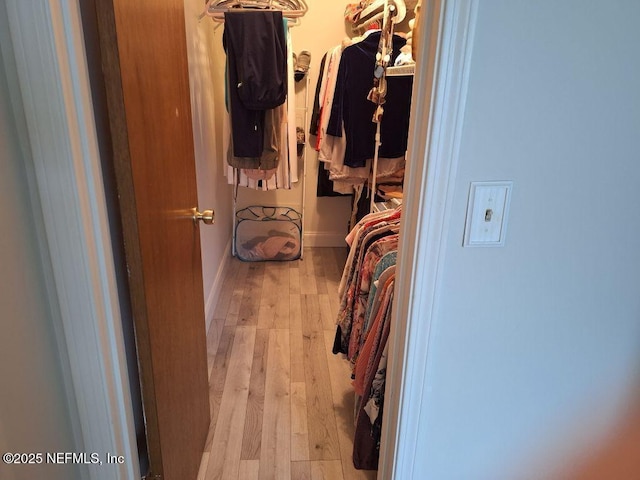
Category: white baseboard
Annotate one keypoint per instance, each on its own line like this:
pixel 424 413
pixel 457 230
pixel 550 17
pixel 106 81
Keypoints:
pixel 216 288
pixel 324 239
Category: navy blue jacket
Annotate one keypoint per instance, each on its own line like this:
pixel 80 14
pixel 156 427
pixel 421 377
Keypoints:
pixel 257 74
pixel 350 104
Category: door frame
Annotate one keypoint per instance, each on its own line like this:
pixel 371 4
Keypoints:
pixel 70 190
pixel 437 116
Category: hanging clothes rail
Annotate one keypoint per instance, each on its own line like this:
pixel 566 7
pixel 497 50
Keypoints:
pixel 376 10
pixel 402 70
pixel 292 9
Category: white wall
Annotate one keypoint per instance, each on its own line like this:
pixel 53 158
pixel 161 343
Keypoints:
pixel 323 27
pixel 326 218
pixel 206 83
pixel 534 360
pixel 33 406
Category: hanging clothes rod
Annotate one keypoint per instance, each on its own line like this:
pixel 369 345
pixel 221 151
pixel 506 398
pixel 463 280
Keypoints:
pixel 401 70
pixel 290 8
pixel 375 11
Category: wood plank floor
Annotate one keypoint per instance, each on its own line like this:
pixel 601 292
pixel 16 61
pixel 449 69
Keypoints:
pixel 281 402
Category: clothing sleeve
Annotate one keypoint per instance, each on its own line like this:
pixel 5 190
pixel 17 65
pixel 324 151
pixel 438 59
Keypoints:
pixel 315 115
pixel 337 107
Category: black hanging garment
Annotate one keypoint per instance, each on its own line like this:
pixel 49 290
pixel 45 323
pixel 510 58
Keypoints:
pixel 325 184
pixel 352 108
pixel 315 113
pixel 257 71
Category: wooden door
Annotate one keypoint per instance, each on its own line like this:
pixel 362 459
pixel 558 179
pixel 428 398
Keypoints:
pixel 144 58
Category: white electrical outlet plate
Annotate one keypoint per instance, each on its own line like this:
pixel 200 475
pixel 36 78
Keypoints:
pixel 487 212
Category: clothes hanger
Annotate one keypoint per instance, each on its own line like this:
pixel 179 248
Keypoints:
pixel 292 9
pixel 376 10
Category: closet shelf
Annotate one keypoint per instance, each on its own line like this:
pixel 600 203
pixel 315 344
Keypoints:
pixel 388 205
pixel 401 71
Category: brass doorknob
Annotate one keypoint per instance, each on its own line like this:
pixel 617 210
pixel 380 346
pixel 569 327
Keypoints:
pixel 207 216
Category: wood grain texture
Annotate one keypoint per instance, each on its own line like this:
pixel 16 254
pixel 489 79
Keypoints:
pixel 319 271
pixel 225 305
pixel 152 146
pixel 323 435
pixel 234 308
pixel 268 299
pixel 224 458
pixel 333 273
pixel 326 470
pixel 300 470
pixel 307 276
pixel 297 353
pixel 255 404
pixel 236 287
pixel 299 409
pixel 283 307
pixel 274 312
pixel 310 314
pixel 213 340
pixel 294 277
pixel 250 306
pixel 295 312
pixel 275 454
pixel 297 356
pixel 249 470
pixel 327 318
pixel 299 428
pixel 217 380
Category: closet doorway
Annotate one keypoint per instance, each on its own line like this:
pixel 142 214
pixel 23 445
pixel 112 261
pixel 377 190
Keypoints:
pixel 145 28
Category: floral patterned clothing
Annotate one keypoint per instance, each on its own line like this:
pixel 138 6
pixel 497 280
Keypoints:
pixel 366 442
pixel 348 301
pixel 364 361
pixel 354 238
pixel 374 254
pixel 387 262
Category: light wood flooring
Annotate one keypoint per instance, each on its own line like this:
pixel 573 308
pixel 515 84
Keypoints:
pixel 281 402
